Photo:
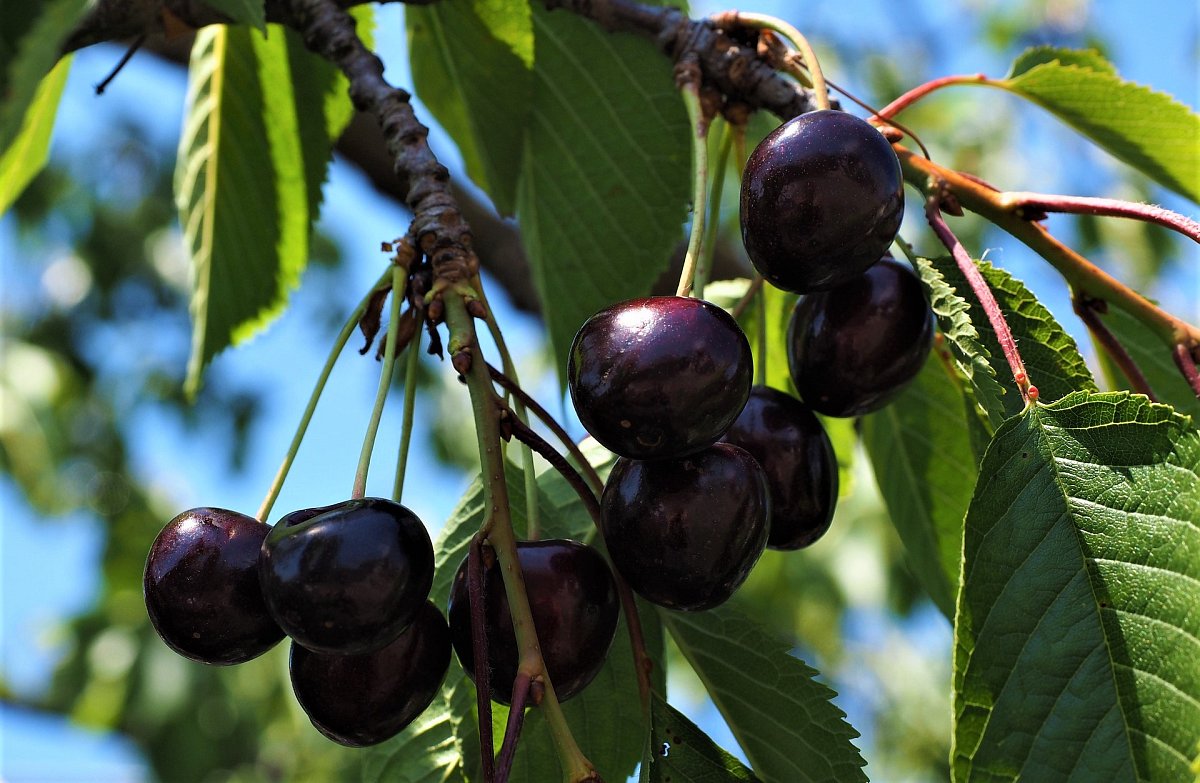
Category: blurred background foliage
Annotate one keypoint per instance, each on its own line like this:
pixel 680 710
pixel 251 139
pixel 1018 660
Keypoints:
pixel 96 338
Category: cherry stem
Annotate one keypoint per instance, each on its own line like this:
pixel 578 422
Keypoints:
pixel 509 385
pixel 633 621
pixel 339 343
pixel 522 684
pixel 1089 311
pixel 760 370
pixel 1186 363
pixel 532 514
pixel 983 293
pixel 708 245
pixel 755 286
pixel 921 90
pixel 691 100
pixel 399 279
pixel 479 645
pixel 498 529
pixel 797 39
pixel 410 405
pixel 1029 205
pixel 1082 275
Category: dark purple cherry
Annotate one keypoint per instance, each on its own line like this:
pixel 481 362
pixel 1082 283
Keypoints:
pixel 574 604
pixel 789 443
pixel 364 699
pixel 685 533
pixel 822 199
pixel 659 377
pixel 852 349
pixel 346 578
pixel 201 587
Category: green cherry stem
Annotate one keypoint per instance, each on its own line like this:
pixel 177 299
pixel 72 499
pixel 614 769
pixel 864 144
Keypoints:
pixel 797 39
pixel 399 279
pixel 339 343
pixel 533 529
pixel 410 406
pixel 691 100
pixel 709 243
pixel 499 531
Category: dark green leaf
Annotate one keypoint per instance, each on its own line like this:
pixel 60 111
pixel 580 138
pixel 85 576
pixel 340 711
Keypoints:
pixel 1077 651
pixel 679 752
pixel 783 718
pixel 605 181
pixel 920 449
pixel 30 41
pixel 251 12
pixel 261 120
pixel 472 65
pixel 1153 358
pixel 26 155
pixel 1149 130
pixel 971 355
pixel 1051 356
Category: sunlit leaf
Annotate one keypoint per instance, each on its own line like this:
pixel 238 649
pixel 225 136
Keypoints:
pixel 26 155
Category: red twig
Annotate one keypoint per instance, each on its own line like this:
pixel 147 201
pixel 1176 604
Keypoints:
pixel 1088 311
pixel 921 90
pixel 1025 203
pixel 1187 365
pixel 983 293
pixel 479 643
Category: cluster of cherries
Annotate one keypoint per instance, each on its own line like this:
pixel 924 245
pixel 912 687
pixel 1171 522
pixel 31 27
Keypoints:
pixel 711 470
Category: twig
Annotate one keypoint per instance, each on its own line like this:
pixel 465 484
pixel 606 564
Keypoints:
pixel 522 685
pixel 479 648
pixel 920 91
pixel 544 416
pixel 983 293
pixel 1023 204
pixel 1186 363
pixel 1088 311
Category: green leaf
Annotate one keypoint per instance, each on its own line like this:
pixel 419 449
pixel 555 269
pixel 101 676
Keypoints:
pixel 1149 130
pixel 1077 641
pixel 966 345
pixel 428 751
pixel 251 12
pixel 605 180
pixel 781 715
pixel 1153 358
pixel 920 450
pixel 679 752
pixel 26 156
pixel 472 65
pixel 262 115
pixel 1051 356
pixel 1043 55
pixel 30 40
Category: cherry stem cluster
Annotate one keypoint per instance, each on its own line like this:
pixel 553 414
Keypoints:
pixel 795 38
pixel 339 343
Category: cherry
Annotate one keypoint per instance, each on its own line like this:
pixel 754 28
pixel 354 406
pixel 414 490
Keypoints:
pixel 789 443
pixel 364 699
pixel 853 348
pixel 659 377
pixel 201 587
pixel 685 533
pixel 574 604
pixel 821 201
pixel 349 577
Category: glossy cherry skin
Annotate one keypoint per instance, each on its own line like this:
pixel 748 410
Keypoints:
pixel 201 587
pixel 822 198
pixel 364 699
pixel 789 443
pixel 659 377
pixel 346 578
pixel 685 533
pixel 852 349
pixel 574 604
